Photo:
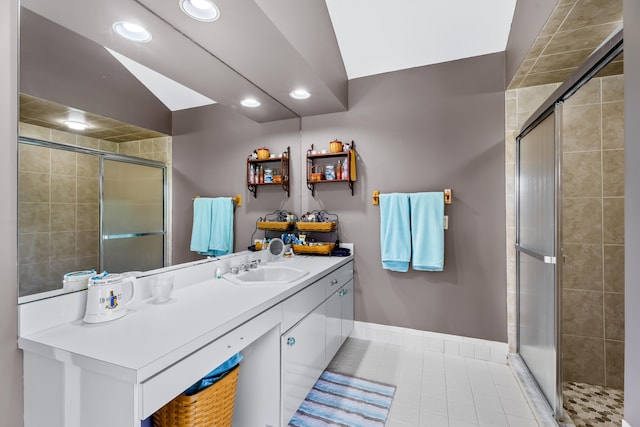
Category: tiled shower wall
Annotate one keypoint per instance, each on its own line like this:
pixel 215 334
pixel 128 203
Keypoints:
pixel 58 225
pixel 593 199
pixel 593 234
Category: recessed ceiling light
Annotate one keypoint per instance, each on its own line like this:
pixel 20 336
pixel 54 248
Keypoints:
pixel 133 32
pixel 71 124
pixel 202 10
pixel 250 102
pixel 299 94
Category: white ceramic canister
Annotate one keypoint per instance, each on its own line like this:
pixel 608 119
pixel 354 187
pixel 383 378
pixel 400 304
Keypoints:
pixel 77 280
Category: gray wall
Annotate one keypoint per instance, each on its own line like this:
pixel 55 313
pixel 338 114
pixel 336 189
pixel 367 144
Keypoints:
pixel 632 211
pixel 10 356
pixel 210 148
pixel 528 19
pixel 422 129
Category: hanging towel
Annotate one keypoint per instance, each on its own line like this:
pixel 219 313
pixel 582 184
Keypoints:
pixel 395 232
pixel 212 232
pixel 427 231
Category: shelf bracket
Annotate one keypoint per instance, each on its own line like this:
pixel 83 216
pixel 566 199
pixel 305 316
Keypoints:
pixel 253 189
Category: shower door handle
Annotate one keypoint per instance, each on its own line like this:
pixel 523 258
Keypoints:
pixel 544 258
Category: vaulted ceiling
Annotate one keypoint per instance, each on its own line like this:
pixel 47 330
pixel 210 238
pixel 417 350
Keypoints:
pixel 264 48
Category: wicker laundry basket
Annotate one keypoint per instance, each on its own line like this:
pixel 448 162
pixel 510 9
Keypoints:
pixel 211 407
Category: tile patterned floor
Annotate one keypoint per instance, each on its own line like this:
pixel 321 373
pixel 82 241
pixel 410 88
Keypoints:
pixel 438 390
pixel 593 406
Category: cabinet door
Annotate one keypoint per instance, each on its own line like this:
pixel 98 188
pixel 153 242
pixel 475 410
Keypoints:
pixel 334 325
pixel 346 299
pixel 303 357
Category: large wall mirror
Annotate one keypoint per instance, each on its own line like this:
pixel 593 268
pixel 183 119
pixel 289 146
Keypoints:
pixel 74 68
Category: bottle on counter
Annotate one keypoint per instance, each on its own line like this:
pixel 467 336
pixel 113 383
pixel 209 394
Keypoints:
pixel 339 170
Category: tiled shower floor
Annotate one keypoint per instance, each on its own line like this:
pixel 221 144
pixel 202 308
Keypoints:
pixel 435 389
pixel 593 406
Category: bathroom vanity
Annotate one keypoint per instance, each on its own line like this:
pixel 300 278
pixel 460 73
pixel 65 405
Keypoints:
pixel 118 373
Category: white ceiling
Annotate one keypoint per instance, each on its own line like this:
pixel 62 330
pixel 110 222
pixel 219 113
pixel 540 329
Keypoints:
pixel 377 36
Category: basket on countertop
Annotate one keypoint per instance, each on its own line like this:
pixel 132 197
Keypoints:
pixel 317 249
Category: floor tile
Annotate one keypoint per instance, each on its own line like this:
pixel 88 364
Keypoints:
pixel 438 390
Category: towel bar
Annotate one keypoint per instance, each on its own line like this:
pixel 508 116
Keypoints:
pixel 448 197
pixel 237 199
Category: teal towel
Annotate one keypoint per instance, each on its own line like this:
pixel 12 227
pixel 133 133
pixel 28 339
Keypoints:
pixel 212 232
pixel 427 231
pixel 395 232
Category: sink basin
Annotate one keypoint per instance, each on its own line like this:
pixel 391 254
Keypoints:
pixel 269 274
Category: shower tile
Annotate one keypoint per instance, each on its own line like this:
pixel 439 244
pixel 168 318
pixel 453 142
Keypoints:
pixel 88 218
pixel 33 247
pixel 530 98
pixel 33 217
pixel 597 12
pixel 63 137
pixel 33 278
pixel 88 190
pixel 88 142
pixel 87 263
pixel 511 115
pixel 161 145
pixel 613 125
pixel 613 88
pixel 582 313
pixel 130 148
pixel 582 268
pixel 614 316
pixel 615 364
pixel 510 147
pixel 34 187
pixel 581 174
pixel 63 189
pixel 32 131
pixel 581 38
pixel 613 173
pixel 63 217
pixel 146 146
pixel 58 268
pixel 583 359
pixel 87 243
pixel 587 94
pixel 109 146
pixel 555 20
pixel 613 220
pixel 88 165
pixel 582 220
pixel 34 158
pixel 581 128
pixel 161 157
pixel 614 268
pixel 539 79
pixel 63 245
pixel 63 162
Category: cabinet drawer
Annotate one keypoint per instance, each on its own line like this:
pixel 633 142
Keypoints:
pixel 334 280
pixel 301 304
pixel 160 389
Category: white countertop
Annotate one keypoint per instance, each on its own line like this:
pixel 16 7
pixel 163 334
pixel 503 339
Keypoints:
pixel 153 336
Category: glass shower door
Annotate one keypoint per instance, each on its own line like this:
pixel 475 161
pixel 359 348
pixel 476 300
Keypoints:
pixel 536 251
pixel 133 216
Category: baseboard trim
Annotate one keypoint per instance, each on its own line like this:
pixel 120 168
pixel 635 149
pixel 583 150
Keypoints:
pixel 453 345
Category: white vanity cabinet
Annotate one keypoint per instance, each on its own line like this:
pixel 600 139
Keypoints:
pixel 309 346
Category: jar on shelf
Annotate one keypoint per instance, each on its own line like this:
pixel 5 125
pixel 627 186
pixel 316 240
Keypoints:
pixel 329 172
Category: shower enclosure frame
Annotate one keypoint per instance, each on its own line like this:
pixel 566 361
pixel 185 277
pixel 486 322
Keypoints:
pixel 607 51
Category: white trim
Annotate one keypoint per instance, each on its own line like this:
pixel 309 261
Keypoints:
pixel 452 345
pixel 625 424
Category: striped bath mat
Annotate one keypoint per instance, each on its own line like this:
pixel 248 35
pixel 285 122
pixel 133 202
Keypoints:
pixel 344 401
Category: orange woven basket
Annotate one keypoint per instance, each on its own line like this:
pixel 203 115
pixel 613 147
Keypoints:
pixel 211 407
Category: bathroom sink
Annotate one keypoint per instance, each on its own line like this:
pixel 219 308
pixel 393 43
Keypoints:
pixel 269 274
